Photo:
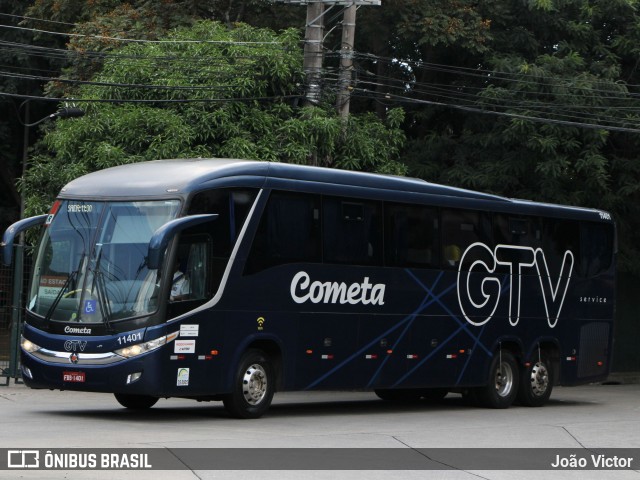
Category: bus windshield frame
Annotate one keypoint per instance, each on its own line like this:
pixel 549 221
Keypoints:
pixel 91 264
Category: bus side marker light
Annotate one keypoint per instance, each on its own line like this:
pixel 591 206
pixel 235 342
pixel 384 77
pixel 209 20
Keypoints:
pixel 309 352
pixel 214 352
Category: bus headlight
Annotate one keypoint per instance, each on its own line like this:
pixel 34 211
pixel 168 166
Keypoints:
pixel 28 346
pixel 146 347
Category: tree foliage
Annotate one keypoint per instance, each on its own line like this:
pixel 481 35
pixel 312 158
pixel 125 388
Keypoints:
pixel 209 91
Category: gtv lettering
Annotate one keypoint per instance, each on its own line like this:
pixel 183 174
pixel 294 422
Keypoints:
pixel 480 285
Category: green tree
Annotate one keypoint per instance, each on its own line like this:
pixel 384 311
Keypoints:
pixel 570 63
pixel 207 91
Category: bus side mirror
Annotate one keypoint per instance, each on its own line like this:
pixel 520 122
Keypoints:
pixel 11 233
pixel 163 235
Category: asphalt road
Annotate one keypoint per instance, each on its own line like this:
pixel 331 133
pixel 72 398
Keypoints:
pixel 587 417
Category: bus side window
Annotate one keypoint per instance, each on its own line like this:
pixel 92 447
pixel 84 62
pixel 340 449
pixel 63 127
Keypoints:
pixel 521 231
pixel 288 232
pixel 352 231
pixel 460 229
pixel 412 236
pixel 189 280
pixel 558 236
pixel 596 248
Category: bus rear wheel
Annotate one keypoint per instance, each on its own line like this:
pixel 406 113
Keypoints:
pixel 253 386
pixel 536 383
pixel 135 402
pixel 503 382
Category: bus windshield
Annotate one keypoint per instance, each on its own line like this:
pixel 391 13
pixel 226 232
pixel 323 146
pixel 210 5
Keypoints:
pixel 91 264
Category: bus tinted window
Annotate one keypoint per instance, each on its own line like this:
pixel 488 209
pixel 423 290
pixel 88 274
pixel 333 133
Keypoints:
pixel 232 207
pixel 521 231
pixel 412 236
pixel 289 232
pixel 597 248
pixel 459 230
pixel 352 231
pixel 558 236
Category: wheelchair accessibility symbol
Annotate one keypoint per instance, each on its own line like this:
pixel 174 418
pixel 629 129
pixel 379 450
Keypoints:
pixel 90 307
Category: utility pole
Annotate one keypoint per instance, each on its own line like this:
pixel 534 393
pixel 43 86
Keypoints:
pixel 346 60
pixel 313 55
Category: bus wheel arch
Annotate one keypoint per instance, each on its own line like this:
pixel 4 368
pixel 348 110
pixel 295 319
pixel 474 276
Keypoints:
pixel 254 384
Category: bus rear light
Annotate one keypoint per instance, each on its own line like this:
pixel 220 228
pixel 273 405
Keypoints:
pixel 571 359
pixel 452 356
pixel 327 357
pixel 214 352
pixel 600 363
pixel 373 356
pixel 309 352
pixel 389 352
pixel 412 356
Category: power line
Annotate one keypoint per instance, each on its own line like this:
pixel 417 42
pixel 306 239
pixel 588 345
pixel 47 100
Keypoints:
pixel 134 40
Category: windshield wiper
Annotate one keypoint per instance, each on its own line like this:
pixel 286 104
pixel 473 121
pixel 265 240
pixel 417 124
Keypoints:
pixel 60 294
pixel 103 297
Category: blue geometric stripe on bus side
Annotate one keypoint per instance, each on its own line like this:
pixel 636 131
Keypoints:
pixel 463 326
pixel 422 306
pixel 409 318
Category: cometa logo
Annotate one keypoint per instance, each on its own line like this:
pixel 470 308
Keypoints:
pixel 304 290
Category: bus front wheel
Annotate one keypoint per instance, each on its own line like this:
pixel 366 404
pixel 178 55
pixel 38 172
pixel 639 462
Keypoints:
pixel 135 402
pixel 503 382
pixel 253 386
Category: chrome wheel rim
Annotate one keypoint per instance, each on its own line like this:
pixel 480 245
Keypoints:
pixel 539 379
pixel 504 379
pixel 254 384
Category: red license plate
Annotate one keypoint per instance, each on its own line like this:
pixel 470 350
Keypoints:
pixel 78 377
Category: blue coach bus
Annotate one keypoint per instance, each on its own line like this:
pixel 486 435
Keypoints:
pixel 218 279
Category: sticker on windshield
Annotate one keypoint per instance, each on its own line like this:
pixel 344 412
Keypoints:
pixel 90 307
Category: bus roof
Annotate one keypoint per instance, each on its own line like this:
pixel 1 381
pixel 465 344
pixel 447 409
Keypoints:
pixel 180 177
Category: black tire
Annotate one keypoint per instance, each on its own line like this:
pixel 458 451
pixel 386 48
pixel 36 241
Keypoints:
pixel 536 383
pixel 411 395
pixel 504 377
pixel 135 402
pixel 433 395
pixel 399 395
pixel 253 386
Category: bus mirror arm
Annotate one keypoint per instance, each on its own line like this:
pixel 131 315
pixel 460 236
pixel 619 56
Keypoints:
pixel 15 229
pixel 163 235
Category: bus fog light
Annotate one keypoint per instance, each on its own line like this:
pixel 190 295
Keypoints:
pixel 133 377
pixel 26 371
